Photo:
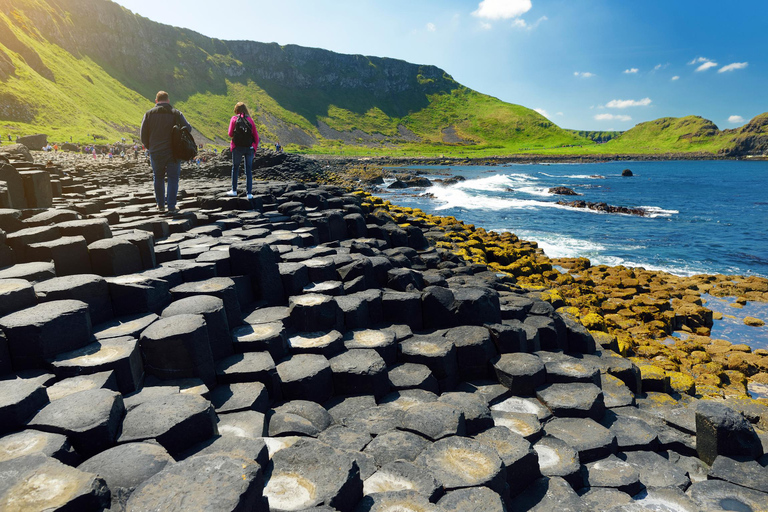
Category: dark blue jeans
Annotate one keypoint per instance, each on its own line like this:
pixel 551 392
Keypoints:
pixel 237 155
pixel 163 164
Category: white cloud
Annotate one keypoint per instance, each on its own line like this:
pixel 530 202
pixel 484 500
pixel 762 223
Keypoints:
pixel 733 67
pixel 583 74
pixel 675 78
pixel 559 114
pixel 660 66
pixel 542 112
pixel 612 117
pixel 521 23
pixel 628 103
pixel 706 66
pixel 704 62
pixel 502 9
pixel 485 26
pixel 736 119
pixel 431 27
pixel 631 71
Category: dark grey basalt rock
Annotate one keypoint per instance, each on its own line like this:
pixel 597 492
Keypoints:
pixel 401 476
pixel 314 313
pixel 306 377
pixel 270 337
pixel 299 417
pixel 247 424
pixel 631 433
pixel 741 471
pixel 656 471
pixel 434 420
pixel 19 400
pixel 412 376
pixel 722 431
pixel 114 257
pixel 520 373
pixel 396 500
pixel 15 295
pixel 473 499
pixel 89 288
pixel 30 442
pixel 323 343
pixel 395 445
pixel 90 419
pixel 612 472
pixel 474 350
pixel 459 462
pixel 250 367
pixel 40 332
pixel 178 347
pixel 242 396
pixel 66 387
pixel 37 482
pixel 548 494
pixel 576 400
pixel 359 372
pixel 127 466
pixel 311 473
pixel 213 311
pixel 176 421
pixel 383 342
pixel 120 355
pixel 215 482
pixel 132 325
pixel 437 353
pixel 221 287
pixel 589 438
pixel 519 458
pixel 717 495
pixel 345 438
pixel 558 459
pixel 477 416
pixel 233 446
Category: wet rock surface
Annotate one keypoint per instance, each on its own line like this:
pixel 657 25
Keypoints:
pixel 317 351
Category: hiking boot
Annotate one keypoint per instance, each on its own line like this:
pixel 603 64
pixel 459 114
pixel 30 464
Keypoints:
pixel 231 193
pixel 161 208
pixel 249 196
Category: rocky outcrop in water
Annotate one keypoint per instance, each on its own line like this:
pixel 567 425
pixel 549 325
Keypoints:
pixel 604 207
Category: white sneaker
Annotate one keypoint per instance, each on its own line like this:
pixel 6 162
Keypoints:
pixel 249 196
pixel 232 193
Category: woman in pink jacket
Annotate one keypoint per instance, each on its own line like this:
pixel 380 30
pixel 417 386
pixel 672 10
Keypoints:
pixel 245 142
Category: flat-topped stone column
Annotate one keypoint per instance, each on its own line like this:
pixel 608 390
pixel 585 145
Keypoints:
pixel 41 332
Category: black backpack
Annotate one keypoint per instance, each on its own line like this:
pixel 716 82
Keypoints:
pixel 183 144
pixel 243 134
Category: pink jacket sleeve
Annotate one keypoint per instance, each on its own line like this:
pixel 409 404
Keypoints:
pixel 255 135
pixel 232 132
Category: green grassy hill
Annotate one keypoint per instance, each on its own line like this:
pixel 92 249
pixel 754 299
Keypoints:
pixel 81 67
pixel 78 68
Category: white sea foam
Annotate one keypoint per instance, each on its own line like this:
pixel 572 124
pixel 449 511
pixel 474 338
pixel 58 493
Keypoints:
pixel 535 191
pixel 575 176
pixel 453 197
pixel 656 211
pixel 495 183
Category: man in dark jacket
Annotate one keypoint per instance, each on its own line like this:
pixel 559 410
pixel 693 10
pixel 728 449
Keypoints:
pixel 156 128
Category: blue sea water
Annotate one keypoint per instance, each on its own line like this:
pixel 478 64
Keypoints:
pixel 703 216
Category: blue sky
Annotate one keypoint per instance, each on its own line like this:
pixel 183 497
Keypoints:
pixel 585 64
